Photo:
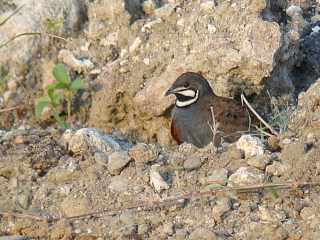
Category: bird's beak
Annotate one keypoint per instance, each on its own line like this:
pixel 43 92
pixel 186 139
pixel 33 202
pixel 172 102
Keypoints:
pixel 174 90
pixel 169 92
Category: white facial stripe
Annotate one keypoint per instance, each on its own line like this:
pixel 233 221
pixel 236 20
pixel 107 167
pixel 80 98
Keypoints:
pixel 188 102
pixel 188 93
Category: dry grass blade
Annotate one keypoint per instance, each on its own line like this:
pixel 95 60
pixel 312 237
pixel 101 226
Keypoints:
pixel 244 100
pixel 30 34
pixel 214 126
pixel 11 15
pixel 8 109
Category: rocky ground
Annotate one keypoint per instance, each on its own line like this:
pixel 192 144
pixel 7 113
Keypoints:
pixel 116 174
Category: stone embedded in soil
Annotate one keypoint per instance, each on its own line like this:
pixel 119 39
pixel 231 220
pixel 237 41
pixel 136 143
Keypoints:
pixel 207 6
pixel 143 153
pixel 202 234
pixel 187 148
pixel 156 180
pixel 308 213
pixel 192 163
pixel 86 139
pixel 164 12
pixel 251 146
pixel 277 169
pixel 80 66
pixel 259 162
pixel 117 161
pixel 222 206
pixel 119 184
pixel 101 158
pixel 218 176
pixel 271 215
pixel 246 176
pixel 74 206
pixel 149 6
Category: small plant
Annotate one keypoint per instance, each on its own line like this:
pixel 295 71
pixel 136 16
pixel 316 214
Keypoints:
pixel 54 25
pixel 63 89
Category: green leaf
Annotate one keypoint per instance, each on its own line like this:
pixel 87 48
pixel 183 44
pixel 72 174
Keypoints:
pixel 57 85
pixel 77 85
pixel 56 98
pixel 41 104
pixel 61 74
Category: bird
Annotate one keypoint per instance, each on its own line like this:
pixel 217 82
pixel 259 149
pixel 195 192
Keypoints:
pixel 195 108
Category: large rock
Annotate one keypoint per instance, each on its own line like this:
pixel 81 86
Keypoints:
pixel 233 49
pixel 34 17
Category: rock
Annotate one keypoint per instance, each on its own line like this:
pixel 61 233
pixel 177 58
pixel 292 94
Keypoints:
pixel 251 146
pixel 218 176
pixel 164 12
pixel 74 206
pixel 117 161
pixel 7 95
pixel 35 19
pixel 207 6
pixel 19 140
pixel 246 176
pixel 143 153
pixel 222 206
pixel 80 66
pixel 271 215
pixel 101 158
pixel 90 139
pixel 168 228
pixel 202 234
pixel 187 148
pixel 181 234
pixel 12 85
pixel 119 184
pixel 192 163
pixel 293 10
pixel 259 162
pixel 143 229
pixel 156 180
pixel 135 45
pixel 274 143
pixel 24 199
pixel 277 169
pixel 308 213
pixel 149 6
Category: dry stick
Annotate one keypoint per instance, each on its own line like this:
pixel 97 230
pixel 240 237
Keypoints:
pixel 8 109
pixel 30 34
pixel 11 15
pixel 214 126
pixel 243 99
pixel 23 215
pixel 169 201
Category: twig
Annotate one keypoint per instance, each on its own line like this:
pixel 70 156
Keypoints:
pixel 30 34
pixel 11 15
pixel 244 100
pixel 214 126
pixel 24 215
pixel 170 201
pixel 8 109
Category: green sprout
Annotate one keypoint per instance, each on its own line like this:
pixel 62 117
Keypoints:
pixel 63 89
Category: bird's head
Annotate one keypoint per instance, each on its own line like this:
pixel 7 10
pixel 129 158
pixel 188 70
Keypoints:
pixel 189 88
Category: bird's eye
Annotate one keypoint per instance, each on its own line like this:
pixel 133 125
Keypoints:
pixel 186 85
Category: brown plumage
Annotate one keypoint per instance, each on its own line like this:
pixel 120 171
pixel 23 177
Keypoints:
pixel 191 116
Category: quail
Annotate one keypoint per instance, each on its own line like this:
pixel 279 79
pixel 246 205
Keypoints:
pixel 192 115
